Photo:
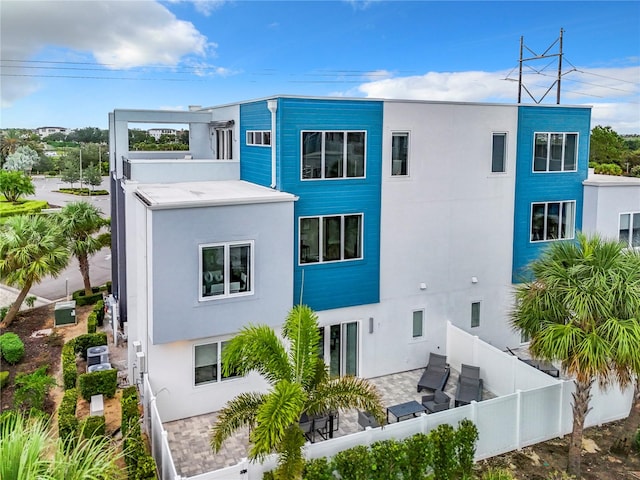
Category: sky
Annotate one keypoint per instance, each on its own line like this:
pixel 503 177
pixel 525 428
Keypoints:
pixel 69 63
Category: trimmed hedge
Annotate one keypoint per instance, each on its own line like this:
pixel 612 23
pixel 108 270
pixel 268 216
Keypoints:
pixel 140 465
pixel 69 365
pixel 23 207
pixel 67 421
pixel 88 340
pixel 99 311
pixel 4 378
pixel 92 322
pixel 94 426
pixel 82 299
pixel 11 347
pixel 96 383
pixel 129 406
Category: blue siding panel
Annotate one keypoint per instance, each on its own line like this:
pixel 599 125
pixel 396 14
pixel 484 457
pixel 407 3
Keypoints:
pixel 341 284
pixel 255 161
pixel 545 187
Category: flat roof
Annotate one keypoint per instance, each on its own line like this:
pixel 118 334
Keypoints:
pixel 597 180
pixel 208 194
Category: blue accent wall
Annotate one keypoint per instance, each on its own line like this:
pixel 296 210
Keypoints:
pixel 547 186
pixel 338 284
pixel 255 161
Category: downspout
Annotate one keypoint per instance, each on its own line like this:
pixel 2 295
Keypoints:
pixel 272 105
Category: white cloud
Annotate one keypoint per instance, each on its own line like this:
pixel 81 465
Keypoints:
pixel 118 34
pixel 615 91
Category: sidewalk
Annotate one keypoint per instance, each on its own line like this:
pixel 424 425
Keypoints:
pixel 9 294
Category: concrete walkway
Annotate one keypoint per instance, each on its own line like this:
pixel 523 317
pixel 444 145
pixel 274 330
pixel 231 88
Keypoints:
pixel 9 294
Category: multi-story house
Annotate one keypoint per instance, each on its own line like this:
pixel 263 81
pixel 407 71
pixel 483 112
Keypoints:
pixel 387 217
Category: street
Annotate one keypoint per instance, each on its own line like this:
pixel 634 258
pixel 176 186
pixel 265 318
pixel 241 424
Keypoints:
pixel 100 263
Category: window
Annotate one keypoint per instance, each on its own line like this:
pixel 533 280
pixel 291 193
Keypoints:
pixel 418 322
pixel 399 153
pixel 262 137
pixel 226 269
pixel 208 363
pixel 224 144
pixel 333 154
pixel 552 221
pixel 555 152
pixel 330 238
pixel 629 232
pixel 499 153
pixel 475 314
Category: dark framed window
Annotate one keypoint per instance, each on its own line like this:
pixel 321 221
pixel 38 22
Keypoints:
pixel 329 154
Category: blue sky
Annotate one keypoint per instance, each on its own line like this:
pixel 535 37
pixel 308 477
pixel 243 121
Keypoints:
pixel 69 63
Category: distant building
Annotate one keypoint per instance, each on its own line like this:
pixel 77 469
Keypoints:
pixel 158 132
pixel 46 131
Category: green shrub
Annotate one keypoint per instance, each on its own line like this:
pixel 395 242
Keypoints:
pixel 69 365
pixel 3 312
pixel 11 347
pixel 67 421
pixel 608 169
pixel 96 383
pixel 635 171
pixel 419 451
pixel 69 402
pixel 129 407
pixel 99 311
pixel 318 469
pixel 133 449
pixel 94 426
pixel 88 340
pixel 593 164
pixel 636 440
pixel 466 437
pixel 497 474
pixel 82 299
pixel 23 207
pixel 30 301
pixel 444 451
pixel 4 378
pixel 32 388
pixel 92 323
pixel 146 468
pixel 353 464
pixel 387 459
pixel 269 476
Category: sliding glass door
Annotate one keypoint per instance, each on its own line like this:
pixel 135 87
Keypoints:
pixel 341 348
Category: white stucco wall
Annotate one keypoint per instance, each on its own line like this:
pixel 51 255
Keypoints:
pixel 605 198
pixel 449 220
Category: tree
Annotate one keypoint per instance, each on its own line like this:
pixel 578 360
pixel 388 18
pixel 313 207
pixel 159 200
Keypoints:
pixel 31 248
pixel 606 146
pixel 14 184
pixel 9 143
pixel 70 171
pixel 29 450
pixel 23 159
pixel 81 223
pixel 300 384
pixel 582 309
pixel 92 175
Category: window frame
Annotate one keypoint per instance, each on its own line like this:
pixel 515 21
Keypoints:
pixel 226 274
pixel 219 376
pixel 505 150
pixel 224 138
pixel 413 324
pixel 396 133
pixel 548 161
pixel 345 162
pixel 545 221
pixel 475 322
pixel 321 245
pixel 629 244
pixel 251 135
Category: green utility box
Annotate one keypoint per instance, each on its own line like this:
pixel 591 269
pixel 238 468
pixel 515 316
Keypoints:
pixel 65 313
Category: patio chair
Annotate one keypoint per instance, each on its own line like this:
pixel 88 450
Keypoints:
pixel 436 374
pixel 306 425
pixel 469 385
pixel 542 365
pixel 436 401
pixel 321 427
pixel 365 419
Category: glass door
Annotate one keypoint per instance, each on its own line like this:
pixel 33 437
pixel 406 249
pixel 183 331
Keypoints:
pixel 342 349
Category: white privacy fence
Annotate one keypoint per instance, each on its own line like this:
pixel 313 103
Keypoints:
pixel 530 407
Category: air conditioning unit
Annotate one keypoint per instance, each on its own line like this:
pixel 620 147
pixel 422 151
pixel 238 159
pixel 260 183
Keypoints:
pixel 97 355
pixel 99 367
pixel 137 346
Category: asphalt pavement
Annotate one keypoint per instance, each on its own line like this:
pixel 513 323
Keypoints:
pixel 70 279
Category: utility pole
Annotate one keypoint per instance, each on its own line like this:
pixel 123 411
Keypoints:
pixel 81 167
pixel 536 56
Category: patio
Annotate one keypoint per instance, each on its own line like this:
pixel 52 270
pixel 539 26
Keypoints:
pixel 189 438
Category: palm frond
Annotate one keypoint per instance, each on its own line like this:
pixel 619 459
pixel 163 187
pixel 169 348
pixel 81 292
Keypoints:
pixel 258 348
pixel 301 329
pixel 281 408
pixel 239 412
pixel 291 461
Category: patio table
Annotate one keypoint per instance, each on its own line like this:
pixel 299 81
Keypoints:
pixel 405 409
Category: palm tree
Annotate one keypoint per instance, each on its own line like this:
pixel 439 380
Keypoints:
pixel 31 248
pixel 81 222
pixel 582 308
pixel 29 450
pixel 300 384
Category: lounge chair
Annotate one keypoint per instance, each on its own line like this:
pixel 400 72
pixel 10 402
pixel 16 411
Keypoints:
pixel 469 385
pixel 542 365
pixel 436 374
pixel 436 401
